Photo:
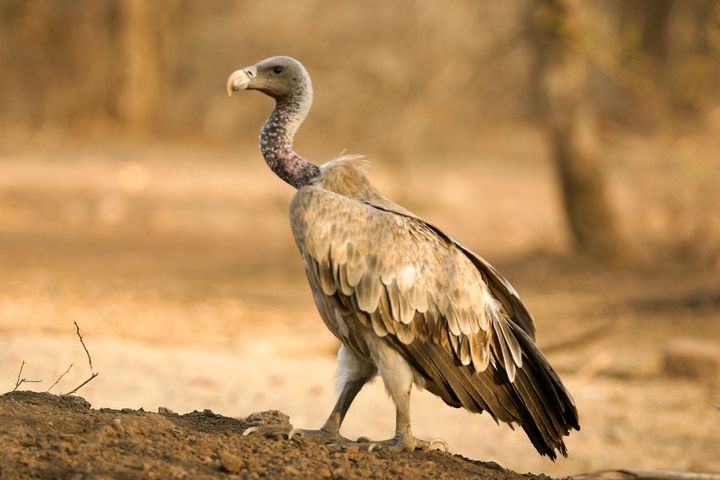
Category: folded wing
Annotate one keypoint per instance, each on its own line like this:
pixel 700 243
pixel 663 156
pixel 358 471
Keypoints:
pixel 447 311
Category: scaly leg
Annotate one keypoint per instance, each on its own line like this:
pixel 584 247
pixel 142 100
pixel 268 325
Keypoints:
pixel 398 378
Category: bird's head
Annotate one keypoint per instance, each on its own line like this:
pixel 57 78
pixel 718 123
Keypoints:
pixel 278 77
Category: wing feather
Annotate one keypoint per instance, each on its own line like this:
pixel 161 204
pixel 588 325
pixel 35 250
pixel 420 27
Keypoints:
pixel 324 272
pixel 342 278
pixel 368 291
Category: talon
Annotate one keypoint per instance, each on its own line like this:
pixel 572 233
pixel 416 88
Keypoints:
pixel 293 432
pixel 363 440
pixel 439 444
pixel 249 431
pixel 372 446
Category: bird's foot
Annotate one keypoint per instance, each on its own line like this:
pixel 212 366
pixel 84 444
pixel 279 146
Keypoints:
pixel 270 431
pixel 289 432
pixel 404 443
pixel 319 436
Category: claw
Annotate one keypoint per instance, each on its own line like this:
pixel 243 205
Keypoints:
pixel 295 432
pixel 270 431
pixel 439 444
pixel 363 440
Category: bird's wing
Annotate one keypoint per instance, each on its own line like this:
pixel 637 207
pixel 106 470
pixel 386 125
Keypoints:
pixel 501 289
pixel 412 282
pixel 430 299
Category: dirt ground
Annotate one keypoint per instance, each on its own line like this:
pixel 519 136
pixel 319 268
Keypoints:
pixel 54 437
pixel 178 264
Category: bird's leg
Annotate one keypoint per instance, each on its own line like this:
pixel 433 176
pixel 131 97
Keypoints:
pixel 330 431
pixel 398 378
pixel 404 440
pixel 353 373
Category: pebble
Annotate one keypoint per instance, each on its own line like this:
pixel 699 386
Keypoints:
pixel 117 424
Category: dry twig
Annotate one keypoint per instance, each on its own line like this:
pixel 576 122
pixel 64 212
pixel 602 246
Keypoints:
pixel 77 330
pixel 20 381
pixel 93 373
pixel 59 378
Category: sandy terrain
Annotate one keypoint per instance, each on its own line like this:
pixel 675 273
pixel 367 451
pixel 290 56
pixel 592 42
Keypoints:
pixel 47 436
pixel 190 295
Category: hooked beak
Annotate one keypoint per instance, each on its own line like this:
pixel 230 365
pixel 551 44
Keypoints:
pixel 240 79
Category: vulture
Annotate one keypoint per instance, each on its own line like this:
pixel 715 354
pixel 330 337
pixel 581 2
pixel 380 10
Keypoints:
pixel 405 300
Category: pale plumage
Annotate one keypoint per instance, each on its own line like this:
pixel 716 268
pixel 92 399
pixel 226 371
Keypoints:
pixel 405 300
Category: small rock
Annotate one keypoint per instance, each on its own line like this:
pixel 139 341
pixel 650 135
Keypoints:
pixel 270 417
pixel 165 411
pixel 494 466
pixel 117 424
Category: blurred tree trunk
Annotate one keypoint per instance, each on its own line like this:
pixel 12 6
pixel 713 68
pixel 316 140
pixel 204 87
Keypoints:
pixel 560 79
pixel 667 41
pixel 649 21
pixel 142 86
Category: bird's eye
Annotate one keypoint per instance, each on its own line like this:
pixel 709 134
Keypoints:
pixel 277 70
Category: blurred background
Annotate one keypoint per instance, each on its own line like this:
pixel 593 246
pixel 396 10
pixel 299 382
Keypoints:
pixel 573 143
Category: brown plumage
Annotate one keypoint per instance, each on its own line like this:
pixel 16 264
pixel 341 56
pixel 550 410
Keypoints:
pixel 404 299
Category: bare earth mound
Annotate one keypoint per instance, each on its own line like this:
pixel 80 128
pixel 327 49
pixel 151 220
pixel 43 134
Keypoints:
pixel 54 437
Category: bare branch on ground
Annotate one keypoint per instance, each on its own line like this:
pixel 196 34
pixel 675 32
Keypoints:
pixel 82 384
pixel 59 378
pixel 77 329
pixel 93 373
pixel 20 381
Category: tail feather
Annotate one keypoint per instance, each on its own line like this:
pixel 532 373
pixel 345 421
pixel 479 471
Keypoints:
pixel 548 410
pixel 535 399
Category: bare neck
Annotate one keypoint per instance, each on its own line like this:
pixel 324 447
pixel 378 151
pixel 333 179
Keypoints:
pixel 276 139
